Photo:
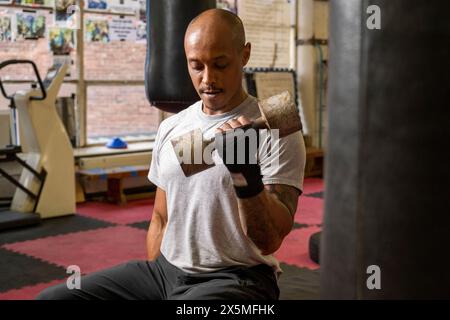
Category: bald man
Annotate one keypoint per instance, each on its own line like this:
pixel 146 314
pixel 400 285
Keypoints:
pixel 212 235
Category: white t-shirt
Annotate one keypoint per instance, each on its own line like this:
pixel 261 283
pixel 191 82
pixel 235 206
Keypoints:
pixel 204 232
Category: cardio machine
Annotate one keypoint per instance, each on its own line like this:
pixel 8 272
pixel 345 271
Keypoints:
pixel 46 187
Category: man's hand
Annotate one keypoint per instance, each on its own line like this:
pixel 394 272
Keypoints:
pixel 237 145
pixel 234 123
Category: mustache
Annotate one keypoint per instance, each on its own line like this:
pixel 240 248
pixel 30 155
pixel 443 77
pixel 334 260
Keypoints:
pixel 209 89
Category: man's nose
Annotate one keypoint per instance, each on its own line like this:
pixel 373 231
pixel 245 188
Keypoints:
pixel 209 77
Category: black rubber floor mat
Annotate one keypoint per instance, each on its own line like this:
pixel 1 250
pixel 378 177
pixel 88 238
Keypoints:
pixel 52 227
pixel 18 270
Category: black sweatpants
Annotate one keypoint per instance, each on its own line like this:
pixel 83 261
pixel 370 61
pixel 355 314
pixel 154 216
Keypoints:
pixel 160 280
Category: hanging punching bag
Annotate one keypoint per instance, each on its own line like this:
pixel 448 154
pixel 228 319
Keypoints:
pixel 167 82
pixel 387 209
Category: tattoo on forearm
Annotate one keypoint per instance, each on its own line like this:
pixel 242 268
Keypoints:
pixel 285 194
pixel 257 223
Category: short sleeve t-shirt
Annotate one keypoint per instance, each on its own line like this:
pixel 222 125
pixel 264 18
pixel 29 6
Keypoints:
pixel 203 231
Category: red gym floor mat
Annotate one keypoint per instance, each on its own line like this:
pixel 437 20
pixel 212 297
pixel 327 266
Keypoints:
pixel 134 211
pixel 90 250
pixel 309 211
pixel 294 249
pixel 312 185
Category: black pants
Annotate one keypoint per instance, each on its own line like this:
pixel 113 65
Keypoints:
pixel 160 280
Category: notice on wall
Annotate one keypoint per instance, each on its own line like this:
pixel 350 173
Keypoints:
pixel 6 32
pixel 122 29
pixel 267 27
pixel 266 12
pixel 63 10
pixel 271 83
pixel 97 30
pixel 270 46
pixel 61 40
pixel 96 4
pixel 30 25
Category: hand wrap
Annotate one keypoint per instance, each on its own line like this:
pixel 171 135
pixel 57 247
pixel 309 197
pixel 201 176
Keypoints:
pixel 238 149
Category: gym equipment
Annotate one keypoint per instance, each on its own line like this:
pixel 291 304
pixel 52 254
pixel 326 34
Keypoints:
pixel 277 112
pixel 47 183
pixel 387 175
pixel 116 143
pixel 168 85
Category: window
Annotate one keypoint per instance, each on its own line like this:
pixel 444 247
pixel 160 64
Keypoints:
pixel 115 103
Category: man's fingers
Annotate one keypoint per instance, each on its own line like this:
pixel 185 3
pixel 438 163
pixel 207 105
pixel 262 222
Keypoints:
pixel 234 123
pixel 226 126
pixel 243 120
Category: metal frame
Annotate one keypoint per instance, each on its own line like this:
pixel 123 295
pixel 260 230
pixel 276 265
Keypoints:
pixel 249 72
pixel 11 155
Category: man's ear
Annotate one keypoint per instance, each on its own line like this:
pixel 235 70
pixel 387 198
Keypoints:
pixel 246 53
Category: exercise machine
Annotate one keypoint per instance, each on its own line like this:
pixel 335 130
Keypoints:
pixel 46 187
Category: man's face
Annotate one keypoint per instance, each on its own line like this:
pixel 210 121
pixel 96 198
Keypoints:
pixel 215 66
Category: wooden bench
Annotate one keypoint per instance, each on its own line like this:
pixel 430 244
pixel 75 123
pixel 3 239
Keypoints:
pixel 114 177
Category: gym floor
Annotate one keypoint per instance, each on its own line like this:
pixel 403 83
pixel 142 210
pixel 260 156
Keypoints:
pixel 102 235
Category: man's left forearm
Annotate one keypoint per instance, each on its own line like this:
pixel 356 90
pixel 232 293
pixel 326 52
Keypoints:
pixel 266 211
pixel 265 220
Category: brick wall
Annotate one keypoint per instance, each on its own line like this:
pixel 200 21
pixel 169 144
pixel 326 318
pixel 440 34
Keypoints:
pixel 119 110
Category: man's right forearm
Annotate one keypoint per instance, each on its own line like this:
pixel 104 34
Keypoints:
pixel 154 236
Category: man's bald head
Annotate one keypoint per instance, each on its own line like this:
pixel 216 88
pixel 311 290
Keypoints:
pixel 216 53
pixel 219 20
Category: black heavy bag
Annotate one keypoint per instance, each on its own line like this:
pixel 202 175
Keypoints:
pixel 388 168
pixel 167 82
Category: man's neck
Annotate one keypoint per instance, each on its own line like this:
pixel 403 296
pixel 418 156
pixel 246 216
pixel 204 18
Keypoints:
pixel 242 96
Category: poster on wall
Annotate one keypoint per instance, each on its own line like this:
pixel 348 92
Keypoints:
pixel 122 29
pixel 61 40
pixel 267 27
pixel 265 12
pixel 97 30
pixel 272 83
pixel 96 4
pixel 229 5
pixel 24 2
pixel 63 11
pixel 34 3
pixel 30 25
pixel 6 28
